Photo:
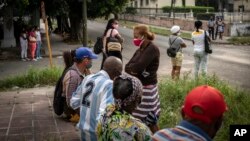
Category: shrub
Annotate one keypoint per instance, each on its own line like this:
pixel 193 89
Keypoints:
pixel 47 76
pixel 204 16
pixel 195 9
pixel 172 95
pixel 131 10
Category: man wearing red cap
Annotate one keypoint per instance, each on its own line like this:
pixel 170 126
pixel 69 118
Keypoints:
pixel 202 114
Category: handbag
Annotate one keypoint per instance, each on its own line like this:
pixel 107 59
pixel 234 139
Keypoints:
pixel 98 45
pixel 208 48
pixel 171 52
pixel 113 43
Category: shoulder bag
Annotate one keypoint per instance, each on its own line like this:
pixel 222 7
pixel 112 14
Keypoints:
pixel 113 43
pixel 208 48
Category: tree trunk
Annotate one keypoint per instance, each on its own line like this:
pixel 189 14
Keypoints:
pixel 75 26
pixel 59 24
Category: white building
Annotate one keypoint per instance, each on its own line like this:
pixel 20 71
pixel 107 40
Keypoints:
pixel 158 3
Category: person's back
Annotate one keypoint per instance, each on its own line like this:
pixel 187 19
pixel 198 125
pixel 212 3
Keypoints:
pixel 93 95
pixel 97 93
pixel 202 114
pixel 198 39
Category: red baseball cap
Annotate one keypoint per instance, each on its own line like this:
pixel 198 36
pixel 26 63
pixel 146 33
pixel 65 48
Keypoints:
pixel 204 103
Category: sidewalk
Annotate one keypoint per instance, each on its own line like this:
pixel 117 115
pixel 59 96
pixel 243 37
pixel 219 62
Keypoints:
pixel 27 115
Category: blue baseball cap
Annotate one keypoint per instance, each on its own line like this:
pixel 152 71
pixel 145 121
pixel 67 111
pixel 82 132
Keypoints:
pixel 84 52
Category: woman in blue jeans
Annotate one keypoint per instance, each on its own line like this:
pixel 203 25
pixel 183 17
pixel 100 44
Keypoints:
pixel 200 56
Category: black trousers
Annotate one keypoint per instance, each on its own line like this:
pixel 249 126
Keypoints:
pixel 117 54
pixel 211 32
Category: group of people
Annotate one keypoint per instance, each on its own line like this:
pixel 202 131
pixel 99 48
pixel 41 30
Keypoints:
pixel 116 105
pixel 200 56
pixel 215 28
pixel 30 40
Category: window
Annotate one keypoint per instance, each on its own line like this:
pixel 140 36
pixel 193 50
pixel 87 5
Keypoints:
pixel 136 4
pixel 147 2
pixel 141 3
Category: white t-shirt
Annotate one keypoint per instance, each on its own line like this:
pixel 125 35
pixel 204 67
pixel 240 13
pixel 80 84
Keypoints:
pixel 38 36
pixel 176 42
pixel 198 38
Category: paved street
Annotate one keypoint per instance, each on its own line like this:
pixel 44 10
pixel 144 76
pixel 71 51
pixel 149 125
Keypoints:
pixel 229 62
pixel 27 115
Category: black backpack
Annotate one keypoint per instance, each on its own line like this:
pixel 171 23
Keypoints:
pixel 171 52
pixel 98 45
pixel 59 100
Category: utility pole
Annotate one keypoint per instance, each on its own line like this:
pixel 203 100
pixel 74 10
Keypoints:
pixel 84 20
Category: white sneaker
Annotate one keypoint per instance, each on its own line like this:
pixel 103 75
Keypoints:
pixel 27 59
pixel 40 57
pixel 24 60
pixel 34 59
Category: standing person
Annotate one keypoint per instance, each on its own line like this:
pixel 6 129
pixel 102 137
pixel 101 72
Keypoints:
pixel 144 65
pixel 178 43
pixel 38 43
pixel 32 43
pixel 24 45
pixel 82 58
pixel 202 114
pixel 200 56
pixel 93 95
pixel 221 26
pixel 211 25
pixel 111 31
pixel 117 122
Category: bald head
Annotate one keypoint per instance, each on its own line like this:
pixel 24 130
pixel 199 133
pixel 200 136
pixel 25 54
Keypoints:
pixel 113 66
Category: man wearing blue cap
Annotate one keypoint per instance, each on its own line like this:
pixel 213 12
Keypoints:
pixel 93 95
pixel 82 63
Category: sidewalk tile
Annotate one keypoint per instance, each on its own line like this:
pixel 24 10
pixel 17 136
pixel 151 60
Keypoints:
pixel 7 100
pixel 22 110
pixel 20 131
pixel 39 123
pixel 20 138
pixel 24 95
pixel 3 131
pixel 24 100
pixel 45 129
pixel 4 122
pixel 21 121
pixel 5 111
pixel 47 137
pixel 70 136
pixel 3 138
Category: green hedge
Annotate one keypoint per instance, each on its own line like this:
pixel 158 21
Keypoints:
pixel 195 9
pixel 131 10
pixel 204 16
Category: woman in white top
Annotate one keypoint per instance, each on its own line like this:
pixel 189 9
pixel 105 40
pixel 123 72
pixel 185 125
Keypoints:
pixel 38 43
pixel 24 45
pixel 200 56
pixel 111 31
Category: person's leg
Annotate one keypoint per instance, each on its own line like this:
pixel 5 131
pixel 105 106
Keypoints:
pixel 212 30
pixel 196 64
pixel 25 50
pixel 204 60
pixel 177 72
pixel 104 56
pixel 22 50
pixel 173 72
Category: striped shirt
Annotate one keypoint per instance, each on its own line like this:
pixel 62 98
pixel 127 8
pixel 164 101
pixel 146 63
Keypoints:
pixel 149 109
pixel 185 131
pixel 92 96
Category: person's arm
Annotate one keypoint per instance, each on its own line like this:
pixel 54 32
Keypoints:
pixel 71 84
pixel 107 98
pixel 208 38
pixel 75 101
pixel 183 44
pixel 146 58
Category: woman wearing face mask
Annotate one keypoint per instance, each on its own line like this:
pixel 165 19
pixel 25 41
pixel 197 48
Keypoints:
pixel 111 31
pixel 176 42
pixel 144 65
pixel 82 58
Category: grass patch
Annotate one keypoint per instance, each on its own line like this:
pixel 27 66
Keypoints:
pixel 47 76
pixel 240 40
pixel 172 96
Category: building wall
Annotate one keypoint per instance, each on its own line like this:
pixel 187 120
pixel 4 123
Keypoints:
pixel 246 4
pixel 160 3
